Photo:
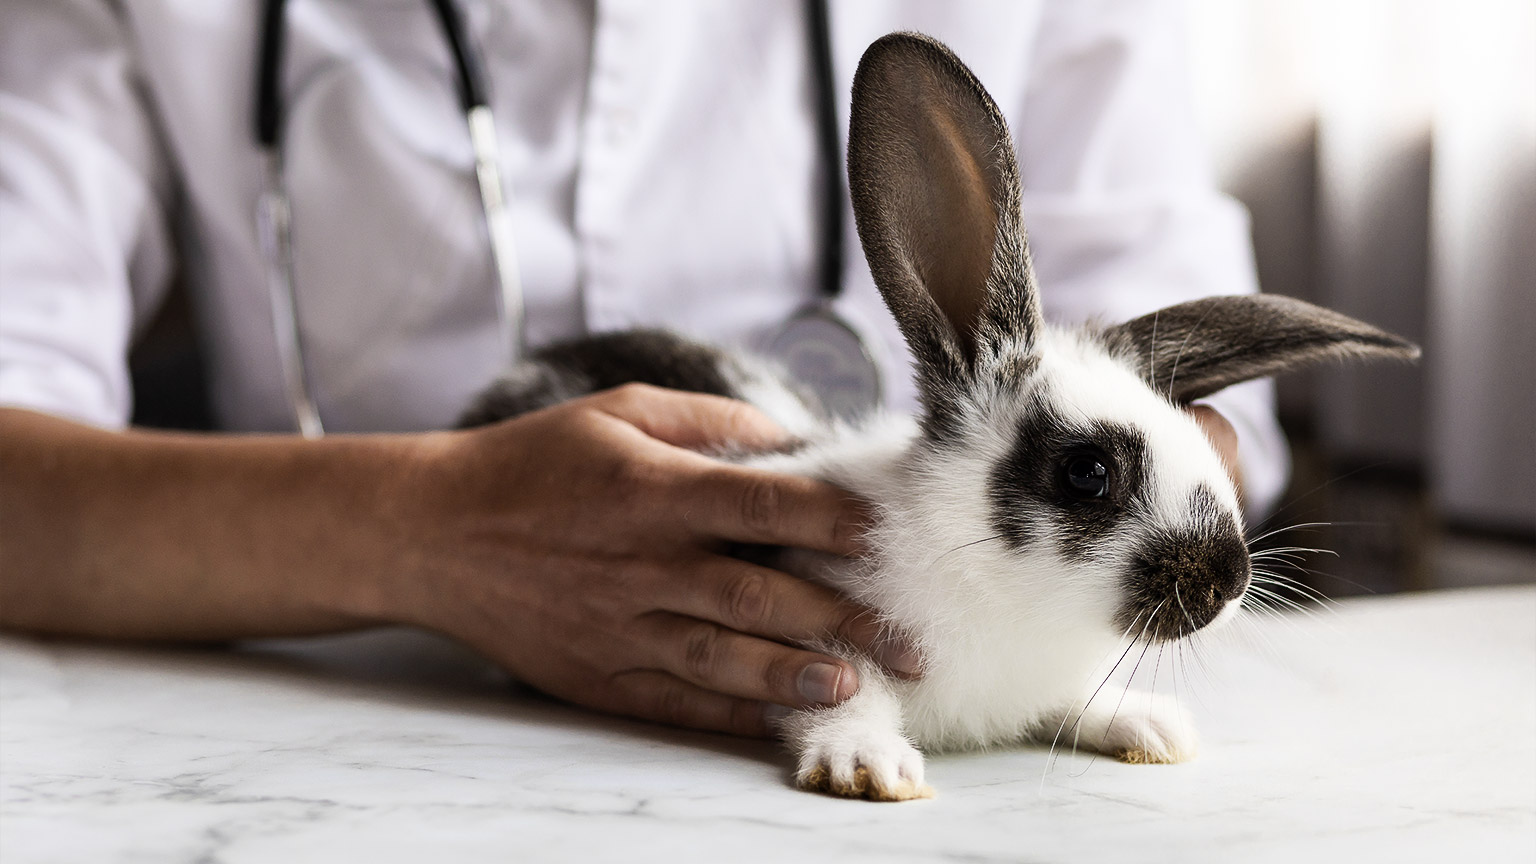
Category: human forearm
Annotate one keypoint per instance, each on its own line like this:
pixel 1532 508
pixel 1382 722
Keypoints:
pixel 166 536
pixel 581 547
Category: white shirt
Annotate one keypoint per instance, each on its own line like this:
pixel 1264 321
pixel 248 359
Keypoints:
pixel 662 165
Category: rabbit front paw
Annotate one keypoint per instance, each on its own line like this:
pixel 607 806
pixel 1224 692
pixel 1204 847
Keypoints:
pixel 881 766
pixel 1142 729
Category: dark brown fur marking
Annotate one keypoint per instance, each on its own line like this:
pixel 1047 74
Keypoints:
pixel 1193 349
pixel 570 369
pixel 1028 502
pixel 1181 580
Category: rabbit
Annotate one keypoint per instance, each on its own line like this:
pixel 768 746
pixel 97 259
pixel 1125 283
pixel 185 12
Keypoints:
pixel 1050 504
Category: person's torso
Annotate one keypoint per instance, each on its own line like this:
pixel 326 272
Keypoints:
pixel 660 157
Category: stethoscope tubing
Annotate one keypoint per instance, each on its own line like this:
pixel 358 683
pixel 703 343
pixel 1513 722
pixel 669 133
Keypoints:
pixel 274 213
pixel 469 70
pixel 830 147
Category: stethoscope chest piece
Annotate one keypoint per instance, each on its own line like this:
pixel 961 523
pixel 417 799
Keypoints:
pixel 823 352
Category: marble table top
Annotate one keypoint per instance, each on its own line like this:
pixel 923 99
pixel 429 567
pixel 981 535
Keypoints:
pixel 1388 729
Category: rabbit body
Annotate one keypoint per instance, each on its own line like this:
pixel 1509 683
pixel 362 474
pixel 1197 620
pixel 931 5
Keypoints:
pixel 1011 635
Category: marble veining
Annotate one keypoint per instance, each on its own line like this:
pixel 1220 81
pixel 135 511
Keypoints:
pixel 1399 728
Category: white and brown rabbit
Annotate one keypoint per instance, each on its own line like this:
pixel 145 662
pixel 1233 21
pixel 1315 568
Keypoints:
pixel 1053 500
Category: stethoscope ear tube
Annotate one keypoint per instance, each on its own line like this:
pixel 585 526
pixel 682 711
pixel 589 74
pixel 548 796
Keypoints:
pixel 468 70
pixel 274 214
pixel 473 92
pixel 274 222
pixel 274 225
pixel 818 20
pixel 269 65
pixel 498 225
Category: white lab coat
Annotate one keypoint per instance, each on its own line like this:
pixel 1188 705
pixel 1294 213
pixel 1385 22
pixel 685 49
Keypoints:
pixel 661 159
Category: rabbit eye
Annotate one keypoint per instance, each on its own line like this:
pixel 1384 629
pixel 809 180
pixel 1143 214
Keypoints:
pixel 1085 476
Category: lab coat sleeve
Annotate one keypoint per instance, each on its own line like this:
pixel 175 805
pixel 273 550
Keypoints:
pixel 84 244
pixel 1122 209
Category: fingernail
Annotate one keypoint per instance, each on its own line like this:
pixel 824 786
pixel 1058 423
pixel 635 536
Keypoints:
pixel 827 683
pixel 899 656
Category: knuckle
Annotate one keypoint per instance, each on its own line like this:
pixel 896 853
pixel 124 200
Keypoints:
pixel 847 530
pixel 701 651
pixel 628 400
pixel 740 419
pixel 761 499
pixel 780 676
pixel 853 626
pixel 747 601
pixel 629 479
pixel 631 393
pixel 672 705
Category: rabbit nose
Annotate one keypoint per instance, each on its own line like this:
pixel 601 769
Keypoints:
pixel 1179 581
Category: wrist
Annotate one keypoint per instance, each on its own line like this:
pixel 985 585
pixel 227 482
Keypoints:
pixel 409 520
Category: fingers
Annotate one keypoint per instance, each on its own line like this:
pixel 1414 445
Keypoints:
pixel 732 663
pixel 765 602
pixel 651 694
pixel 1216 427
pixel 749 505
pixel 733 502
pixel 694 421
pixel 1223 438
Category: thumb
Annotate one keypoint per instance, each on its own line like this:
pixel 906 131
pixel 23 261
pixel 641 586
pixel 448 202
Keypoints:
pixel 696 421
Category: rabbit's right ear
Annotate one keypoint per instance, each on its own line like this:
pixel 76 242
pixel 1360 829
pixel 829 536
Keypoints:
pixel 935 189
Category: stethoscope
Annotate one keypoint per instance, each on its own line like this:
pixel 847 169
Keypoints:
pixel 817 345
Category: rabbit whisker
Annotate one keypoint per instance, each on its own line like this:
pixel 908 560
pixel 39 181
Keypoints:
pixel 1299 526
pixel 1056 739
pixel 1284 601
pixel 1290 550
pixel 1296 586
pixel 1109 727
pixel 1311 601
pixel 1255 635
pixel 1187 617
pixel 998 536
pixel 1053 752
pixel 1320 487
pixel 1108 675
pixel 1075 731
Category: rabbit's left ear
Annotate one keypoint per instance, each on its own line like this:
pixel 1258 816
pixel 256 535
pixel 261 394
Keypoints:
pixel 935 190
pixel 1191 350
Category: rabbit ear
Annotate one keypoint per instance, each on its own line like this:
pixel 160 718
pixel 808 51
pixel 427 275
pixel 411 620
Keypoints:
pixel 935 190
pixel 1193 349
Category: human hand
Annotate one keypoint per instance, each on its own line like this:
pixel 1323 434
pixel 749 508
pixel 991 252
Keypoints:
pixel 581 547
pixel 1223 438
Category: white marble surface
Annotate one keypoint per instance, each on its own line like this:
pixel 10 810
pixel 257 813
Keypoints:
pixel 1393 729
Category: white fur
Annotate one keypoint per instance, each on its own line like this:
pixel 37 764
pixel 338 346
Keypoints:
pixel 1141 727
pixel 863 732
pixel 761 382
pixel 1010 638
pixel 1090 384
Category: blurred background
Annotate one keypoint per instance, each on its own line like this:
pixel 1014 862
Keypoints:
pixel 1387 152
